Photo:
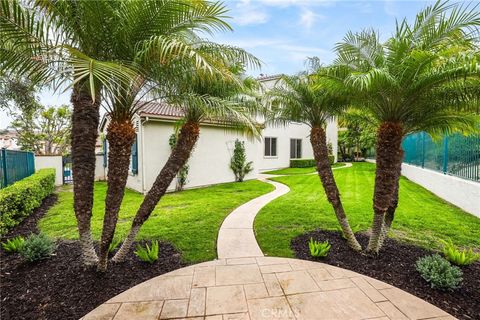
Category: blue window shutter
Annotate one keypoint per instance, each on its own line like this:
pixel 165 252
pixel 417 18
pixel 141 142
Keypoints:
pixel 105 151
pixel 135 157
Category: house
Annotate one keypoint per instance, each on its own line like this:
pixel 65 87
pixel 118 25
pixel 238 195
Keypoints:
pixel 8 140
pixel 210 160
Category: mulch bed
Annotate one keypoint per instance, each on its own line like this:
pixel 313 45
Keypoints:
pixel 60 287
pixel 396 266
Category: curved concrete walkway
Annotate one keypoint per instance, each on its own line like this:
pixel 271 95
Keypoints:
pixel 243 284
pixel 236 238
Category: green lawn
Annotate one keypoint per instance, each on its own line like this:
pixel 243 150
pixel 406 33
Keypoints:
pixel 293 171
pixel 188 219
pixel 421 218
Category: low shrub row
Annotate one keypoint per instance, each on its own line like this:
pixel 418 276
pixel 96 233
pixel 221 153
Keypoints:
pixel 21 198
pixel 307 163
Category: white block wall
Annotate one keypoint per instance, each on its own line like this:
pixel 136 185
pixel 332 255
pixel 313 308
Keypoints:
pixel 55 162
pixel 463 193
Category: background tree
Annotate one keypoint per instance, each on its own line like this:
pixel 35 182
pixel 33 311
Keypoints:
pixel 238 163
pixel 420 79
pixel 44 131
pixel 357 134
pixel 305 99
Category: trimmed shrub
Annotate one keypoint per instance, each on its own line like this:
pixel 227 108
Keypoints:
pixel 439 272
pixel 302 163
pixel 307 163
pixel 21 198
pixel 37 247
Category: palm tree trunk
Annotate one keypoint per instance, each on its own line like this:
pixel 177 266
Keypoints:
pixel 390 214
pixel 120 136
pixel 85 118
pixel 389 159
pixel 318 140
pixel 187 138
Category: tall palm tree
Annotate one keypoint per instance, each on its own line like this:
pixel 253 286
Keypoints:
pixel 225 102
pixel 418 80
pixel 67 43
pixel 168 41
pixel 307 100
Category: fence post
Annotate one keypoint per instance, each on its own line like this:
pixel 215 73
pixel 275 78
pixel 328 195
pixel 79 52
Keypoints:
pixel 445 154
pixel 423 149
pixel 4 166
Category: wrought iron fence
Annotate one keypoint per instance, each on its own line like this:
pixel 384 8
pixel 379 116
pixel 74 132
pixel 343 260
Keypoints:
pixel 15 165
pixel 455 155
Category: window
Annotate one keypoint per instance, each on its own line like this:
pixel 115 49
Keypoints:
pixel 295 148
pixel 270 147
pixel 134 158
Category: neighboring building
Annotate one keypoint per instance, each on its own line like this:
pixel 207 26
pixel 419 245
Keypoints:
pixel 8 140
pixel 210 160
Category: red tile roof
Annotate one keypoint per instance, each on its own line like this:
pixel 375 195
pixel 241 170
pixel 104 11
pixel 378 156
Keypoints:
pixel 160 109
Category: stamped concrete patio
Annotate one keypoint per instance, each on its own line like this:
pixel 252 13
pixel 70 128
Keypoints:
pixel 243 284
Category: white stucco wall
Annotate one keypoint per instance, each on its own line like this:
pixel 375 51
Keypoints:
pixel 55 162
pixel 283 135
pixel 460 192
pixel 292 131
pixel 100 173
pixel 209 163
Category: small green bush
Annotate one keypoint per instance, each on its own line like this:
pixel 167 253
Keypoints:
pixel 37 247
pixel 302 163
pixel 147 253
pixel 439 272
pixel 307 163
pixel 19 200
pixel 239 164
pixel 459 257
pixel 319 249
pixel 13 245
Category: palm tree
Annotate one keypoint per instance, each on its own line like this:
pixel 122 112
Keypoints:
pixel 305 99
pixel 225 102
pixel 168 41
pixel 65 42
pixel 87 49
pixel 418 80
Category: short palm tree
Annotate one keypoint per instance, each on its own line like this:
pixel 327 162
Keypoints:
pixel 421 79
pixel 307 100
pixel 225 102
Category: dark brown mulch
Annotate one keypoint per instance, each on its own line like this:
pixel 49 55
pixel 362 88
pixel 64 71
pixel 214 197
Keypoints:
pixel 396 266
pixel 60 287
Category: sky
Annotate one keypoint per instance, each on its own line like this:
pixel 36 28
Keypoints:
pixel 283 33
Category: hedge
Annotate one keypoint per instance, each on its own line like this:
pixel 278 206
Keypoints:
pixel 18 200
pixel 307 163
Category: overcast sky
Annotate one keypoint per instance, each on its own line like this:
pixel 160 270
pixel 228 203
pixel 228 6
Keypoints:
pixel 283 33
